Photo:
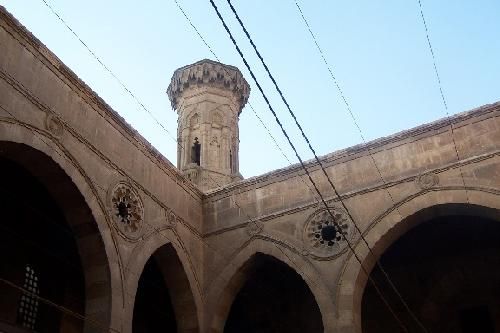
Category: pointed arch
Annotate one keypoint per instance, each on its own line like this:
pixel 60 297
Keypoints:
pixel 389 227
pixel 227 284
pixel 166 252
pixel 66 182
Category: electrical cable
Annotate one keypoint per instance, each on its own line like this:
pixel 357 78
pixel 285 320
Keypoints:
pixel 444 101
pixel 142 105
pixel 358 127
pixel 438 78
pixel 154 230
pixel 249 103
pixel 109 71
pixel 105 66
pixel 379 265
pixel 63 309
pixel 391 283
pixel 217 184
pixel 249 218
pixel 339 229
pixel 66 158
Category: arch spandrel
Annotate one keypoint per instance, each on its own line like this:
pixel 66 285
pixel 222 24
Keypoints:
pixel 222 292
pixel 389 227
pixel 32 139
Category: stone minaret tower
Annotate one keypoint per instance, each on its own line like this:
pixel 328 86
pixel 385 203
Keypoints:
pixel 208 97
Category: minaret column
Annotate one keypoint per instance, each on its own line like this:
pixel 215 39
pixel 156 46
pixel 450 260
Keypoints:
pixel 208 97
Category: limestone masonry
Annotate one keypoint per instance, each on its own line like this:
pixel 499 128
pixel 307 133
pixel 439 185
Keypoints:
pixel 101 233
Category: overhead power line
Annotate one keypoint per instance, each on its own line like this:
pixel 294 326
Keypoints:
pixel 249 103
pixel 355 121
pixel 217 184
pixel 379 265
pixel 53 255
pixel 433 56
pixel 129 91
pixel 441 91
pixel 60 308
pixel 208 46
pixel 153 228
pixel 109 70
pixel 243 211
pixel 339 229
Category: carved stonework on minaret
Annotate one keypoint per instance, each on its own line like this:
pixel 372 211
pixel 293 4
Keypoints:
pixel 208 97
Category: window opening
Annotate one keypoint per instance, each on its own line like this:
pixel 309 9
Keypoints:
pixel 28 305
pixel 231 161
pixel 196 152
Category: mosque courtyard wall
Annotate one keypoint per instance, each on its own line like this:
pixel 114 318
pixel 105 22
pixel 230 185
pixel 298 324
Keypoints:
pixel 141 214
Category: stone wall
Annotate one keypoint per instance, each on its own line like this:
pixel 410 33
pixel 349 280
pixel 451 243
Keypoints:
pixel 45 106
pixel 277 213
pixel 140 201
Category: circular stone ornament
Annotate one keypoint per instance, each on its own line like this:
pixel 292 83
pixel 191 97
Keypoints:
pixel 427 180
pixel 324 235
pixel 54 125
pixel 127 210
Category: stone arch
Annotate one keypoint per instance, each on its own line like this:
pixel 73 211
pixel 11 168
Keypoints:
pixel 165 247
pixel 51 164
pixel 227 284
pixel 389 227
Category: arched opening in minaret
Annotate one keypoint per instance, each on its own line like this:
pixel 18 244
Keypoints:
pixel 273 298
pixel 196 152
pixel 447 269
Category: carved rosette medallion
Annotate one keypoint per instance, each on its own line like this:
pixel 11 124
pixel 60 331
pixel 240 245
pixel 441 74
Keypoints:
pixel 325 236
pixel 254 228
pixel 427 180
pixel 54 125
pixel 127 210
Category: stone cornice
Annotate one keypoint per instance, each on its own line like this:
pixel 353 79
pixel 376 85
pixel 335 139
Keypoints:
pixel 40 51
pixel 211 73
pixel 350 153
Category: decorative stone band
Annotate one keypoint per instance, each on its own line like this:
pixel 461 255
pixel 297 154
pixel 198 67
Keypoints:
pixel 254 228
pixel 210 73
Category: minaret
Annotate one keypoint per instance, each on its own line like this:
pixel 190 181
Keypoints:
pixel 208 97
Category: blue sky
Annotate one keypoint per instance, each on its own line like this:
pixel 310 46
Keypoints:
pixel 377 49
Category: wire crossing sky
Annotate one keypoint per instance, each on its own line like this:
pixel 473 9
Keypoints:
pixel 378 50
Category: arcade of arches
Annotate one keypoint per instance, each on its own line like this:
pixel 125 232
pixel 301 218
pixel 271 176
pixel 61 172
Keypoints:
pixel 101 233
